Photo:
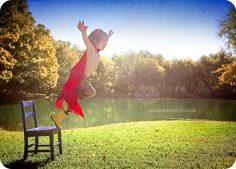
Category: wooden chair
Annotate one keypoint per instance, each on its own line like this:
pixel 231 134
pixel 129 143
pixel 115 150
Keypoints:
pixel 28 109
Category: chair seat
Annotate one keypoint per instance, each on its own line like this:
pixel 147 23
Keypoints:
pixel 42 131
pixel 42 128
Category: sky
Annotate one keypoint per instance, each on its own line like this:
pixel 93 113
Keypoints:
pixel 173 28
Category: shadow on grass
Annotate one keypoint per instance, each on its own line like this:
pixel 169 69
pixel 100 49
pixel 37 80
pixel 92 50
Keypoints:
pixel 27 164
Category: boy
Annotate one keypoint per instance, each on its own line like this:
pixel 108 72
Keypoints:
pixel 77 86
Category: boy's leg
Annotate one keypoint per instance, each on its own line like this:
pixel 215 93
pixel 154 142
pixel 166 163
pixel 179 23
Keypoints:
pixel 60 114
pixel 85 90
pixel 65 107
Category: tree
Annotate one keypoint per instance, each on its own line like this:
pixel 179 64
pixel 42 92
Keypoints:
pixel 16 19
pixel 137 70
pixel 36 69
pixel 227 72
pixel 104 79
pixel 36 65
pixel 9 33
pixel 148 72
pixel 228 28
pixel 125 72
pixel 67 56
pixel 209 63
pixel 180 79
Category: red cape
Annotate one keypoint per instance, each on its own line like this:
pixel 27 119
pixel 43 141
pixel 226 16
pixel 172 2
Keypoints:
pixel 68 92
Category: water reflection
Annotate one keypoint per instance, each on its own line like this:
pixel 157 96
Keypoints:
pixel 100 111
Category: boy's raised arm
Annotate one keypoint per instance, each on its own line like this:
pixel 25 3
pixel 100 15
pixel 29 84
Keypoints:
pixel 83 30
pixel 110 33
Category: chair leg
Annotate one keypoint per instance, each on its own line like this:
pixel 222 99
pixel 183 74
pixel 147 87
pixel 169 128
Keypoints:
pixel 25 147
pixel 60 141
pixel 52 146
pixel 36 143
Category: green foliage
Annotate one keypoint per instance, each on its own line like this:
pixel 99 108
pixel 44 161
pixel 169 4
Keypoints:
pixel 208 64
pixel 147 72
pixel 9 33
pixel 135 70
pixel 28 62
pixel 67 56
pixel 125 72
pixel 227 72
pixel 37 63
pixel 180 79
pixel 175 78
pixel 31 61
pixel 105 77
pixel 228 28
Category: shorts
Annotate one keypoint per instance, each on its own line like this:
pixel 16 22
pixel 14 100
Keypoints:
pixel 85 89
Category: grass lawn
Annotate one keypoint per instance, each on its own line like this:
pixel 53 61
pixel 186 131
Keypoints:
pixel 156 144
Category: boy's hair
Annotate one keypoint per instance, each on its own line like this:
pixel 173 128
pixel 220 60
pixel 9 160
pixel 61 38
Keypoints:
pixel 96 36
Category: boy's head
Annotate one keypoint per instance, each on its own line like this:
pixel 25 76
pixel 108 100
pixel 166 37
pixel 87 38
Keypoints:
pixel 98 38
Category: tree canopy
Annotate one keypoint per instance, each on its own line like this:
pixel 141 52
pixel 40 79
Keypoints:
pixel 28 57
pixel 227 72
pixel 32 61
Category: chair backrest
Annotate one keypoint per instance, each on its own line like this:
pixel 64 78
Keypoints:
pixel 28 109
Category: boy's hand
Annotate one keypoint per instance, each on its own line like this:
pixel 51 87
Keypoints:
pixel 110 33
pixel 81 26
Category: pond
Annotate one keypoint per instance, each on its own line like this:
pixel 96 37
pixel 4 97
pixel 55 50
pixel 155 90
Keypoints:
pixel 101 111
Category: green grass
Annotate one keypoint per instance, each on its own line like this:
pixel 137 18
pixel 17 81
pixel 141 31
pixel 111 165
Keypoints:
pixel 158 144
